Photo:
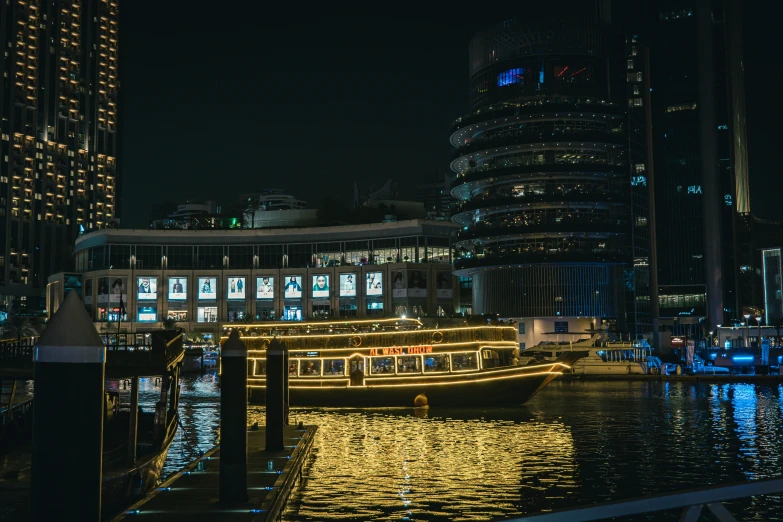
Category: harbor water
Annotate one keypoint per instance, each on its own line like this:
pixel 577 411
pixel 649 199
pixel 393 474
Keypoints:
pixel 574 444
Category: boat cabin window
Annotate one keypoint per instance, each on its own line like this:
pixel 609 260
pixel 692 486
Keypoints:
pixel 334 366
pixel 293 368
pixel 381 365
pixel 464 361
pixel 436 363
pixel 259 368
pixel 409 364
pixel 309 368
pixel 495 358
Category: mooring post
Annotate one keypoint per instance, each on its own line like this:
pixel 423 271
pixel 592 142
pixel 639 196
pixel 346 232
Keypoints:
pixel 133 422
pixel 233 421
pixel 275 409
pixel 286 403
pixel 68 417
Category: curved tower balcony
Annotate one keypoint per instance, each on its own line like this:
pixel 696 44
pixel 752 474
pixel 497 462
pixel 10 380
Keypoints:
pixel 543 178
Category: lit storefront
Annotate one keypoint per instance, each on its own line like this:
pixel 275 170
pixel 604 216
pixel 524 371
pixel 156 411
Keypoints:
pixel 203 279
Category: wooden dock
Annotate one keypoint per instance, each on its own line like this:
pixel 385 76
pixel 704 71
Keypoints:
pixel 192 494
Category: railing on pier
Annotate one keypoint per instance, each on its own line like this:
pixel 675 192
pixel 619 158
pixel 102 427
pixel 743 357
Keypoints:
pixel 692 503
pixel 17 411
pixel 126 354
pixel 17 349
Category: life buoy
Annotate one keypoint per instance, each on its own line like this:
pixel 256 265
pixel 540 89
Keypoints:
pixel 356 341
pixel 437 337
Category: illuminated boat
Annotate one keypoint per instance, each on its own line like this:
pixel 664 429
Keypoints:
pixel 389 362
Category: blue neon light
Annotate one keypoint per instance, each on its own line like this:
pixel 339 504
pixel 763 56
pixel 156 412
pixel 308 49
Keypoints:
pixel 510 77
pixel 742 358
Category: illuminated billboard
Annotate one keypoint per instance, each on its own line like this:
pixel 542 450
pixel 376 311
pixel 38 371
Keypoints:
pixel 148 288
pixel 293 287
pixel 178 288
pixel 321 286
pixel 347 285
pixel 207 288
pixel 374 283
pixel 399 284
pixel 116 288
pixel 236 287
pixel 417 283
pixel 265 287
pixel 443 280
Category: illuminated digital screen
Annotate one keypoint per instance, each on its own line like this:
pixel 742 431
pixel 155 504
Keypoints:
pixel 148 288
pixel 293 287
pixel 321 285
pixel 236 288
pixel 265 287
pixel 374 283
pixel 347 285
pixel 178 288
pixel 510 77
pixel 207 288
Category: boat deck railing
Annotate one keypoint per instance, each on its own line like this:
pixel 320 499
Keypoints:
pixel 691 502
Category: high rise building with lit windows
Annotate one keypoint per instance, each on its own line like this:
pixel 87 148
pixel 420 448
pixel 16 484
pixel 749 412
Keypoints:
pixel 58 120
pixel 551 172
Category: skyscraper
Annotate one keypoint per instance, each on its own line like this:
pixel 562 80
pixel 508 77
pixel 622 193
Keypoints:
pixel 551 169
pixel 704 253
pixel 58 120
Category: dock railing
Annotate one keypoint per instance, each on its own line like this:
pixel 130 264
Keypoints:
pixel 692 503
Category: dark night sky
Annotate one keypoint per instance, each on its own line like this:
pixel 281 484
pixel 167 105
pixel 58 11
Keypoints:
pixel 221 101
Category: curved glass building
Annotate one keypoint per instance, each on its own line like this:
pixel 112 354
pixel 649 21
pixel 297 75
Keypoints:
pixel 543 171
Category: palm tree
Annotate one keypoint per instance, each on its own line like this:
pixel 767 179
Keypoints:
pixel 248 210
pixel 195 337
pixel 18 326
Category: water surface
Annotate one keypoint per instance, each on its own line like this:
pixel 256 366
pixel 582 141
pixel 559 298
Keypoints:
pixel 574 444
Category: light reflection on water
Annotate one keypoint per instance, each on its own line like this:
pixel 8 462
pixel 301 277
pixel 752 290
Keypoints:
pixel 573 444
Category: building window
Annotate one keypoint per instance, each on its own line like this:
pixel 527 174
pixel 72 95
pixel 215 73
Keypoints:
pixel 634 76
pixel 630 64
pixel 681 107
pixel 207 314
pixel 639 167
pixel 510 77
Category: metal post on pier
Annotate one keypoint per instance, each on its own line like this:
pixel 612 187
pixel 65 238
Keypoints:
pixel 69 370
pixel 233 421
pixel 286 403
pixel 275 394
pixel 133 421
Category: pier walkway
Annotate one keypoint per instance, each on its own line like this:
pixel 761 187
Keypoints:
pixel 192 494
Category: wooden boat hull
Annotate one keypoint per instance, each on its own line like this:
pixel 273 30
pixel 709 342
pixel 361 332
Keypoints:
pixel 117 489
pixel 498 387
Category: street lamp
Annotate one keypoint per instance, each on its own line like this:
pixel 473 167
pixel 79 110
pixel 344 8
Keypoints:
pixel 758 321
pixel 747 330
pixel 711 340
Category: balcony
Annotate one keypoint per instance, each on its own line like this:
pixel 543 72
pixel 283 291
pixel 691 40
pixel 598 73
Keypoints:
pixel 527 258
pixel 541 137
pixel 550 225
pixel 558 106
pixel 512 202
pixel 489 174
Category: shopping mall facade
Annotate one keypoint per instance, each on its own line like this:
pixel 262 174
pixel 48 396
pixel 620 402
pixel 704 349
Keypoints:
pixel 205 279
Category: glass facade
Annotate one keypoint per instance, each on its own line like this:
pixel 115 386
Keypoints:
pixel 543 170
pixel 364 271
